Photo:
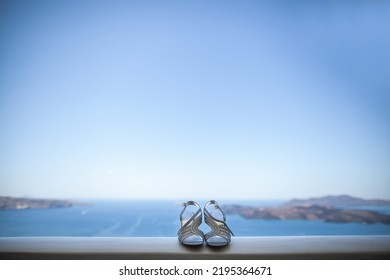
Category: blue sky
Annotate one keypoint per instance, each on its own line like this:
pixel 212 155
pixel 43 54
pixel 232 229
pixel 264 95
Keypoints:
pixel 194 99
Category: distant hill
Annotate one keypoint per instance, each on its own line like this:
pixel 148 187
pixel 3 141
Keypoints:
pixel 19 203
pixel 337 201
pixel 329 209
pixel 313 212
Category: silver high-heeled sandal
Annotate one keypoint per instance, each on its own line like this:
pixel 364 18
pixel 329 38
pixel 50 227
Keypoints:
pixel 220 234
pixel 189 232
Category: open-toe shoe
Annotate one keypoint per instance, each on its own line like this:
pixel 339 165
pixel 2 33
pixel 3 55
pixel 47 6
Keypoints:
pixel 220 234
pixel 190 219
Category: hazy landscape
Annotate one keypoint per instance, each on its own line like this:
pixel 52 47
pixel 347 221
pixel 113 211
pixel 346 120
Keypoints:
pixel 338 209
pixel 123 217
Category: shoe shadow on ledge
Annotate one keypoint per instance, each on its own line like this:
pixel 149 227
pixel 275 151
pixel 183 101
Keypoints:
pixel 218 249
pixel 204 248
pixel 194 249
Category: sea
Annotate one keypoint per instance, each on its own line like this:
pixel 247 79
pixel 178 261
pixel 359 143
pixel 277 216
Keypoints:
pixel 125 218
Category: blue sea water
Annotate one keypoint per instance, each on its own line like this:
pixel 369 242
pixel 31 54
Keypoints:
pixel 159 218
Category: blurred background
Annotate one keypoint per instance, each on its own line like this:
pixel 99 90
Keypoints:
pixel 194 99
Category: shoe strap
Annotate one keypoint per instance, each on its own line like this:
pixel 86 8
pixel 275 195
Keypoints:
pixel 216 206
pixel 218 227
pixel 191 226
pixel 213 223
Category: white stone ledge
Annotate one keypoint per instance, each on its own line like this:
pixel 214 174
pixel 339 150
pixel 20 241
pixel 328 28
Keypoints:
pixel 282 247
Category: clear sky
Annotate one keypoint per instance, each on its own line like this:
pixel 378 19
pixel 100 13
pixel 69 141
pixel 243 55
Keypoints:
pixel 194 99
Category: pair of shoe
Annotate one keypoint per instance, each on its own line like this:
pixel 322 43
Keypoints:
pixel 191 218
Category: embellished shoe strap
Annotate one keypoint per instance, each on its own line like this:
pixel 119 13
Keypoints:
pixel 216 224
pixel 218 227
pixel 191 227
